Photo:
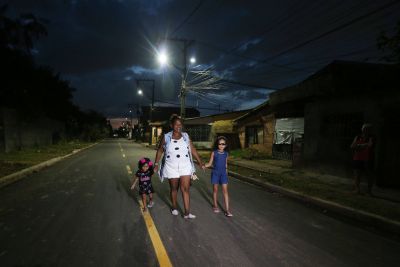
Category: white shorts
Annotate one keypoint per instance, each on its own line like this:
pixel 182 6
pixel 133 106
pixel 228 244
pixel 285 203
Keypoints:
pixel 176 170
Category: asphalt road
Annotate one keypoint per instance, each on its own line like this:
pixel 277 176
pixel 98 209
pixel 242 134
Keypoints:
pixel 80 212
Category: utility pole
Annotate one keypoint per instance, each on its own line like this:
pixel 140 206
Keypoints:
pixel 186 43
pixel 152 103
pixel 152 93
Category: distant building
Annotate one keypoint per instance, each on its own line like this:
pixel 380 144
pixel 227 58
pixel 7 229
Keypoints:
pixel 118 122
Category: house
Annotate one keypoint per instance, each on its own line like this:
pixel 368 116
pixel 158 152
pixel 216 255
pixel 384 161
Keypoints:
pixel 255 128
pixel 204 130
pixel 159 120
pixel 335 102
pixel 271 129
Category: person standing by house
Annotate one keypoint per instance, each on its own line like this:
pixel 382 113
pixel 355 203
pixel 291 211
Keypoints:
pixel 362 157
pixel 177 164
pixel 219 175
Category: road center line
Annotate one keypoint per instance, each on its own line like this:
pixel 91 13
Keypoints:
pixel 128 169
pixel 161 253
pixel 159 248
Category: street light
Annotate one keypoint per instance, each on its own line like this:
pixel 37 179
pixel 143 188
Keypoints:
pixel 163 59
pixel 131 130
pixel 140 92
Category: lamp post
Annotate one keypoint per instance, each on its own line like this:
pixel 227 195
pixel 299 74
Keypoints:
pixel 163 59
pixel 140 92
pixel 131 128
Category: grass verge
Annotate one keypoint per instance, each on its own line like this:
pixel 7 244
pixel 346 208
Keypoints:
pixel 338 193
pixel 17 160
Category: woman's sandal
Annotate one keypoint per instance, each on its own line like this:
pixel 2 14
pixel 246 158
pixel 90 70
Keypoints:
pixel 216 210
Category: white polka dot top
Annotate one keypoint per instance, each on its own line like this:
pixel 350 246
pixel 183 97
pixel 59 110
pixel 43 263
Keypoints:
pixel 177 152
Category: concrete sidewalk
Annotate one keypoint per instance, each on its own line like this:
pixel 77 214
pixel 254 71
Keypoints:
pixel 281 167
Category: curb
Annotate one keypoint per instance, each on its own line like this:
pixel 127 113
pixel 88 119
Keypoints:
pixel 14 177
pixel 358 215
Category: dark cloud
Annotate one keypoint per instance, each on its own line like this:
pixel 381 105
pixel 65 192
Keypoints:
pixel 102 46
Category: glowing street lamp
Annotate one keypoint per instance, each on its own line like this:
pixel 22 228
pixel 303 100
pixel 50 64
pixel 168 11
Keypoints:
pixel 163 58
pixel 140 92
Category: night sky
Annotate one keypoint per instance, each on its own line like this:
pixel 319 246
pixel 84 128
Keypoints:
pixel 103 46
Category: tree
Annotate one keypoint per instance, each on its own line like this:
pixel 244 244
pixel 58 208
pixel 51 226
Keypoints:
pixel 36 91
pixel 33 91
pixel 20 33
pixel 390 45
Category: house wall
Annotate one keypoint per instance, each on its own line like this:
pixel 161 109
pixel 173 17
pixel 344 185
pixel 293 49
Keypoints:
pixel 225 128
pixel 2 140
pixel 221 127
pixel 388 144
pixel 268 121
pixel 320 144
pixel 332 123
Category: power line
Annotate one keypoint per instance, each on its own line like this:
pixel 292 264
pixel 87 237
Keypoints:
pixel 317 61
pixel 250 85
pixel 278 21
pixel 335 29
pixel 232 53
pixel 340 27
pixel 285 66
pixel 188 17
pixel 205 108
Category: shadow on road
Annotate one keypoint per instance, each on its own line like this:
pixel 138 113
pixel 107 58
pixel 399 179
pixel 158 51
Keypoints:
pixel 204 192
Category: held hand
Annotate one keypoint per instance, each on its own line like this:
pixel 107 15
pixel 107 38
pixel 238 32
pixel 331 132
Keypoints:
pixel 155 168
pixel 203 167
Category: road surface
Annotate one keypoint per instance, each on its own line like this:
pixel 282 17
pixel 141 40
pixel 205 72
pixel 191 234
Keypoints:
pixel 80 212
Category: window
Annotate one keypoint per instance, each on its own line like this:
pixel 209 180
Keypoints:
pixel 342 127
pixel 254 135
pixel 199 133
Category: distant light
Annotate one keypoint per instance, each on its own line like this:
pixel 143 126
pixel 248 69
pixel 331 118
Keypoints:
pixel 192 60
pixel 140 92
pixel 163 58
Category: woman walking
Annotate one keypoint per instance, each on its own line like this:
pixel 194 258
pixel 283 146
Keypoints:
pixel 177 164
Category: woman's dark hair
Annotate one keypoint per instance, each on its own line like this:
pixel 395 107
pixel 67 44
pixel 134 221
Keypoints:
pixel 174 118
pixel 219 138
